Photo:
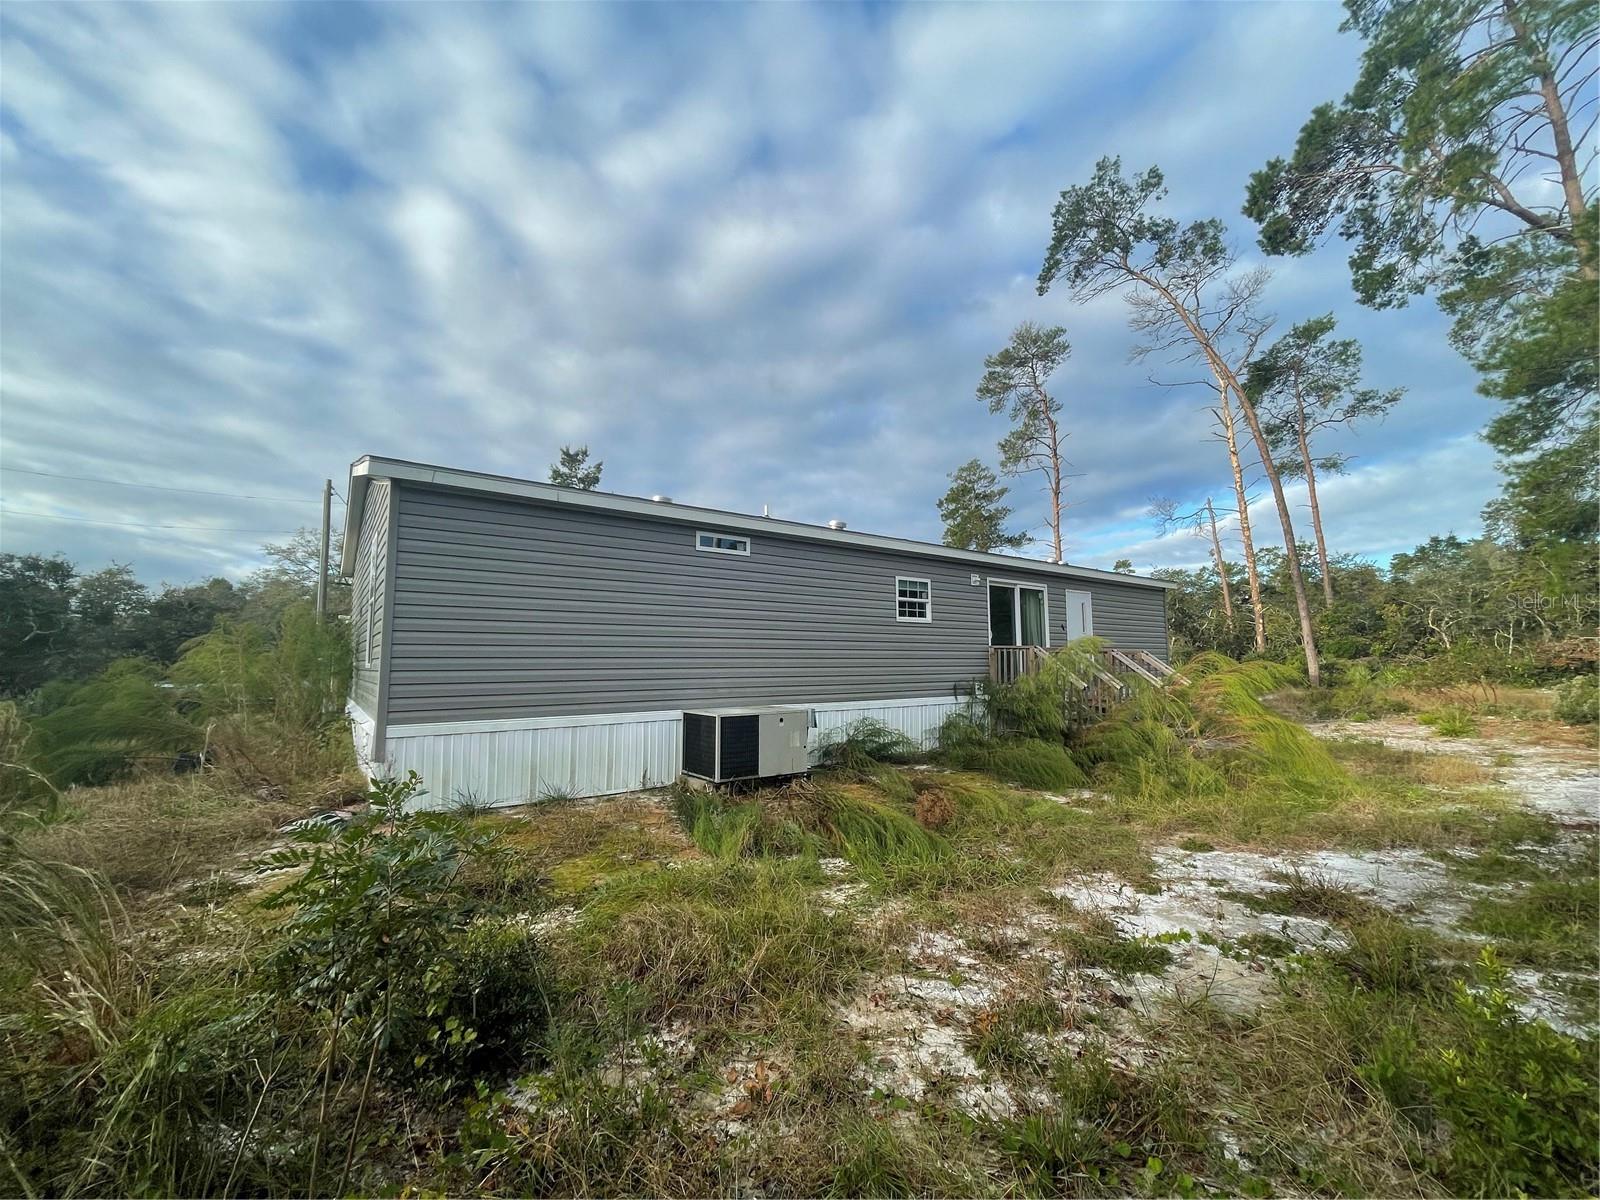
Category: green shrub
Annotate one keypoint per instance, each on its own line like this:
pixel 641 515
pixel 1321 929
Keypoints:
pixel 484 1010
pixel 1578 700
pixel 370 938
pixel 1519 1098
pixel 1354 692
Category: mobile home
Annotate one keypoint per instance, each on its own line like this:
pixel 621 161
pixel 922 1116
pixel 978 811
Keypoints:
pixel 516 639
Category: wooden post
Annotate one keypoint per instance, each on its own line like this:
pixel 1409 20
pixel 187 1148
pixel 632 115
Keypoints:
pixel 322 567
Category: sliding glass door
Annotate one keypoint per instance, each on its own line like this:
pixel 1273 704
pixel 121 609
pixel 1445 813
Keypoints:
pixel 1018 615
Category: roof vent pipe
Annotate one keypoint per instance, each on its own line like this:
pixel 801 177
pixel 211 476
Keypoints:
pixel 836 524
pixel 662 499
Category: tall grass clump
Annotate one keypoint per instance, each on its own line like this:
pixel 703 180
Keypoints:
pixel 1211 755
pixel 268 704
pixel 295 677
pixel 873 826
pixel 862 745
pixel 965 741
pixel 1214 732
pixel 711 941
pixel 100 730
pixel 1049 703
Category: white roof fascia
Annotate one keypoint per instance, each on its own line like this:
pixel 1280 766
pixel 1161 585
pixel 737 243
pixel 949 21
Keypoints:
pixel 372 467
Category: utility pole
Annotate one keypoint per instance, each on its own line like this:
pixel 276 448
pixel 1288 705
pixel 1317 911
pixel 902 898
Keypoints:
pixel 322 569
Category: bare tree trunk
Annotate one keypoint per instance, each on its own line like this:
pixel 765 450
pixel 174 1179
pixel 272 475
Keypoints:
pixel 1311 496
pixel 1560 134
pixel 1041 398
pixel 1228 380
pixel 1308 632
pixel 1055 481
pixel 1257 613
pixel 1222 566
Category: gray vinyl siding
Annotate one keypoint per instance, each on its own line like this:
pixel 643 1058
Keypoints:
pixel 505 609
pixel 367 599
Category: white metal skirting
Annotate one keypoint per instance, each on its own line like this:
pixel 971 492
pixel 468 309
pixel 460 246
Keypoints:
pixel 362 731
pixel 516 762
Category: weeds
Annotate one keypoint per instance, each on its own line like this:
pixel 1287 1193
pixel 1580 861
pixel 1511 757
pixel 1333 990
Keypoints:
pixel 1026 762
pixel 1109 1131
pixel 1549 923
pixel 863 745
pixel 711 943
pixel 1096 943
pixel 1450 722
pixel 411 966
pixel 1308 896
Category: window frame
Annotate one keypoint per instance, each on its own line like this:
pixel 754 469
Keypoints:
pixel 714 535
pixel 1017 586
pixel 926 600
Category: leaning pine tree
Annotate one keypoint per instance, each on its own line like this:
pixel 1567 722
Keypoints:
pixel 1186 296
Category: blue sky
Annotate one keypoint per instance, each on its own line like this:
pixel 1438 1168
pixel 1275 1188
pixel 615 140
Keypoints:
pixel 751 254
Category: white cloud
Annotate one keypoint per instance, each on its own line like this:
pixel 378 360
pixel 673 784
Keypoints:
pixel 749 254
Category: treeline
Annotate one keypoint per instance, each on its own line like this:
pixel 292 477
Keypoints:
pixel 1453 610
pixel 104 677
pixel 58 624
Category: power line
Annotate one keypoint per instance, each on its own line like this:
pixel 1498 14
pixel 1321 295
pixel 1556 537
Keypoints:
pixel 156 487
pixel 21 512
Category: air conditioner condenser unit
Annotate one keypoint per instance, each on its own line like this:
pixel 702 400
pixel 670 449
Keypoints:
pixel 722 745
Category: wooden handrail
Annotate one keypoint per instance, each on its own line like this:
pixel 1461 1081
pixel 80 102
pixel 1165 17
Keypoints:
pixel 1118 658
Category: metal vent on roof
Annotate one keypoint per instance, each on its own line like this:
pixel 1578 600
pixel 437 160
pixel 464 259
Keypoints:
pixel 662 499
pixel 836 524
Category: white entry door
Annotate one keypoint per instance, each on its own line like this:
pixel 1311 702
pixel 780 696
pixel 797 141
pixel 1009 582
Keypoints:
pixel 1080 615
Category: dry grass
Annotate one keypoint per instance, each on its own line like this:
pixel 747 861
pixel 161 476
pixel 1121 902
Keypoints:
pixel 1372 760
pixel 147 834
pixel 575 846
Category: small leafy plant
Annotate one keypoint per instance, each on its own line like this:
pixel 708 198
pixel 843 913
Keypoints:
pixel 366 945
pixel 1516 1095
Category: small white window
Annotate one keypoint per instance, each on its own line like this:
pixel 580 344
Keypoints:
pixel 913 600
pixel 721 543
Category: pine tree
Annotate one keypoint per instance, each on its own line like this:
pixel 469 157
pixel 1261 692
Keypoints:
pixel 974 512
pixel 1014 382
pixel 574 470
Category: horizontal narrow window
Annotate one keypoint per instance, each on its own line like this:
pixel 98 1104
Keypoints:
pixel 721 543
pixel 913 600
